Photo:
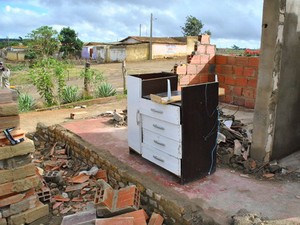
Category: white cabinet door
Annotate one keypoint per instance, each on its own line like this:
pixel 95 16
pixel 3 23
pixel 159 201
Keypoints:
pixel 133 115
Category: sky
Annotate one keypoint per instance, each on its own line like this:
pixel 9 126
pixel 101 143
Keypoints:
pixel 231 22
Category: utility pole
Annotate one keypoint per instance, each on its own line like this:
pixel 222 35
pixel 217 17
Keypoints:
pixel 140 30
pixel 150 41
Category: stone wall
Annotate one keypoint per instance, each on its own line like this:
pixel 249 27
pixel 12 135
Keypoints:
pixel 154 198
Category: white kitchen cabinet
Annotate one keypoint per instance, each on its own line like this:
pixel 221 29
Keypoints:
pixel 179 137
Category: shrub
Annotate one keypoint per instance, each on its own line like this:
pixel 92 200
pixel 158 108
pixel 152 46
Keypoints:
pixel 26 103
pixel 70 94
pixel 105 89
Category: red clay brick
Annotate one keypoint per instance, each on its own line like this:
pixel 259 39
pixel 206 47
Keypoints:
pixel 250 103
pixel 194 79
pixel 226 69
pixel 248 93
pixel 202 69
pixel 205 39
pixel 218 69
pixel 115 221
pixel 211 49
pixel 212 59
pixel 253 61
pixel 228 98
pixel 204 59
pixel 240 81
pixel 203 78
pixel 221 59
pixel 184 80
pixel 230 80
pixel 239 101
pixel 140 217
pixel 238 70
pixel 242 60
pixel 156 219
pixel 252 83
pixel 128 197
pixel 101 174
pixel 211 77
pixel 191 69
pixel 181 69
pixel 237 91
pixel 196 59
pixel 201 49
pixel 221 79
pixel 249 71
pixel 231 60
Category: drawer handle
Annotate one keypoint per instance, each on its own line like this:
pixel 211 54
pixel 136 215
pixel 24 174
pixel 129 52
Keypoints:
pixel 158 127
pixel 159 143
pixel 157 158
pixel 157 111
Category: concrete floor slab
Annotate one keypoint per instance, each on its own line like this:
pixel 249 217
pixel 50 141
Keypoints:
pixel 220 195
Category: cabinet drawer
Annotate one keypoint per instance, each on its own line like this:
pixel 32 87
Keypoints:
pixel 169 113
pixel 162 143
pixel 172 131
pixel 162 159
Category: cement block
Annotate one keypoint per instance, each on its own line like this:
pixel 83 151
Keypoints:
pixel 79 217
pixel 9 121
pixel 16 208
pixel 16 150
pixel 18 161
pixel 17 173
pixel 30 215
pixel 19 185
pixel 7 95
pixel 9 109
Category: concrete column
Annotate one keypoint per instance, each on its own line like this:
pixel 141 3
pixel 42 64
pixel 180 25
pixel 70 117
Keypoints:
pixel 276 128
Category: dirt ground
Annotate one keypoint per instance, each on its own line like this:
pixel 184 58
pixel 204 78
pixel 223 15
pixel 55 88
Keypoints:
pixel 113 73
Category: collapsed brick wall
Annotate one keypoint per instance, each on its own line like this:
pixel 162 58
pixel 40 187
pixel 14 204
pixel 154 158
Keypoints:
pixel 120 175
pixel 237 74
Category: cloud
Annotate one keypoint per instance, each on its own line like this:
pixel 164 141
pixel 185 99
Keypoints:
pixel 237 21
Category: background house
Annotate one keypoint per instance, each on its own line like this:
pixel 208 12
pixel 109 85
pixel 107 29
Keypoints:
pixel 135 48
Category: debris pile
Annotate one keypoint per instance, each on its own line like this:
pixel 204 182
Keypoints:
pixel 118 118
pixel 19 203
pixel 79 193
pixel 234 150
pixel 243 217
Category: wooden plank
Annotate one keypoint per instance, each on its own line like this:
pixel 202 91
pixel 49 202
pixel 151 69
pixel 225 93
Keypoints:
pixel 16 134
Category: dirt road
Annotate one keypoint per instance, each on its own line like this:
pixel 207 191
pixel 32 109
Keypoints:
pixel 113 73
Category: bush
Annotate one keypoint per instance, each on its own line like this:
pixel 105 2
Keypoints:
pixel 70 94
pixel 26 103
pixel 105 90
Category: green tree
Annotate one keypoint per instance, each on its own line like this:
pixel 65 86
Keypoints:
pixel 207 32
pixel 43 42
pixel 192 26
pixel 70 45
pixel 48 76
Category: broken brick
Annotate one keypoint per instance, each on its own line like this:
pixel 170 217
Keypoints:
pixel 140 216
pixel 101 174
pixel 76 187
pixel 60 198
pixel 80 179
pixel 156 219
pixel 115 221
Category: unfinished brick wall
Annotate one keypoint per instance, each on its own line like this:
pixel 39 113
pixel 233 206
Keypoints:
pixel 237 74
pixel 120 175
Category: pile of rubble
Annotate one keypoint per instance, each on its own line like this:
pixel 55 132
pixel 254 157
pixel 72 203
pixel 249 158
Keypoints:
pixel 19 181
pixel 117 118
pixel 234 150
pixel 79 194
